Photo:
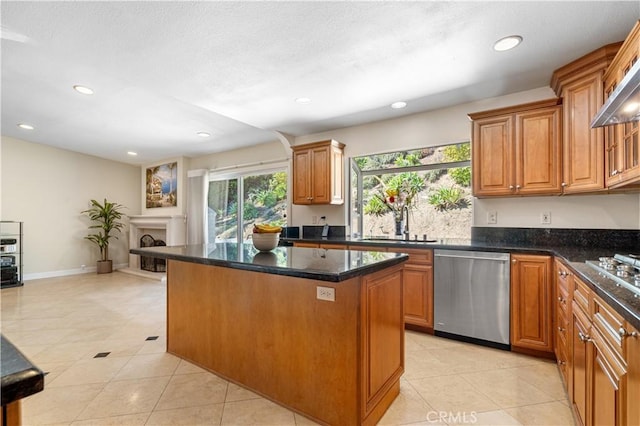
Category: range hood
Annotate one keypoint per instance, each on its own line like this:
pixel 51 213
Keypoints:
pixel 624 103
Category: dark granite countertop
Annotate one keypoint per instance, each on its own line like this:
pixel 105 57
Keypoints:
pixel 318 264
pixel 622 300
pixel 20 378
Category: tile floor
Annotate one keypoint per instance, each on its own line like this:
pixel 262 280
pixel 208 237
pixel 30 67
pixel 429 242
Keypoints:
pixel 62 323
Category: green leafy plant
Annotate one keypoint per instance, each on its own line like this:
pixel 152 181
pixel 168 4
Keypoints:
pixel 459 152
pixel 447 199
pixel 107 220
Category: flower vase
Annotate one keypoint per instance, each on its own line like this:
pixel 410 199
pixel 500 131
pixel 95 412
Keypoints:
pixel 399 228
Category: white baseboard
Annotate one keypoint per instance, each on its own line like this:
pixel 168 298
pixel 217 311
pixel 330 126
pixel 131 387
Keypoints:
pixel 67 272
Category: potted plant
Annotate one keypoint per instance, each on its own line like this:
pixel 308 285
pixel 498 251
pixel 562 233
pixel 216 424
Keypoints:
pixel 106 218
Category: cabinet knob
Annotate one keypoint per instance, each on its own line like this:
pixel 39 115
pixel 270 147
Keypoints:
pixel 583 337
pixel 561 300
pixel 624 333
pixel 560 329
pixel 560 362
pixel 513 260
pixel 511 187
pixel 563 184
pixel 517 187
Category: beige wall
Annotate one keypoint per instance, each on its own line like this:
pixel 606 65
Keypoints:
pixel 238 157
pixel 47 188
pixel 452 125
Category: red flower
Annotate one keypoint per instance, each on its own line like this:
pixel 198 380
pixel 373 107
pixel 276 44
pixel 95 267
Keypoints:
pixel 392 199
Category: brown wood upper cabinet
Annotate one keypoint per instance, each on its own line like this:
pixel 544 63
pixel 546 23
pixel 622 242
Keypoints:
pixel 531 307
pixel 517 150
pixel 318 173
pixel 622 140
pixel 580 85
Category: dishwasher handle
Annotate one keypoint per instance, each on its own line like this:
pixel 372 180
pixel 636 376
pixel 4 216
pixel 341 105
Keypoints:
pixel 495 259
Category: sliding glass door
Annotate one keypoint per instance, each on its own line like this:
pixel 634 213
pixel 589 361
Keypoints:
pixel 238 202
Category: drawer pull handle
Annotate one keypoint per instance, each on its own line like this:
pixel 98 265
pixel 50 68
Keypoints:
pixel 560 329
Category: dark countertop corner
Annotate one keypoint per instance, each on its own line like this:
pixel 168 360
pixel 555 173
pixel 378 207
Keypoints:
pixel 20 377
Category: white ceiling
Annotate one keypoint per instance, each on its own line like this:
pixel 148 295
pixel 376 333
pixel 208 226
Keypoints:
pixel 163 71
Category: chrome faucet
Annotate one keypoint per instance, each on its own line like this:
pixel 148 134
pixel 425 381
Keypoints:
pixel 405 213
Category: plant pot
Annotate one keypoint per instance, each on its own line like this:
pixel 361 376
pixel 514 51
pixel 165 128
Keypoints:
pixel 104 266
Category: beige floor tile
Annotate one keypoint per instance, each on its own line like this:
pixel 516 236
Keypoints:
pixel 138 419
pixel 53 370
pixel 303 421
pixel 58 405
pixel 154 346
pixel 189 390
pixel 126 397
pixel 193 416
pixel 408 407
pixel 256 412
pixel 452 394
pixel 94 370
pixel 506 388
pixel 544 376
pixel 64 352
pixel 185 367
pixel 149 365
pixel 238 393
pixel 548 414
pixel 487 418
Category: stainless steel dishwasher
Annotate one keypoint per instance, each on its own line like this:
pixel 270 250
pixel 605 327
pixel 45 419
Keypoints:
pixel 471 296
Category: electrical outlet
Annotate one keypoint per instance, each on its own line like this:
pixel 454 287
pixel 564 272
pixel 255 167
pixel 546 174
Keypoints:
pixel 545 218
pixel 314 220
pixel 492 218
pixel 326 293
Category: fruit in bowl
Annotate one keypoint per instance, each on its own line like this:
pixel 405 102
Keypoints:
pixel 266 237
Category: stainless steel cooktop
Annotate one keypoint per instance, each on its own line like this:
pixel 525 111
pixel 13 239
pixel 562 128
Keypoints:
pixel 624 269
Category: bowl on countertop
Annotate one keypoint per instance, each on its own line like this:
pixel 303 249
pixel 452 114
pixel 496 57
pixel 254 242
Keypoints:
pixel 266 241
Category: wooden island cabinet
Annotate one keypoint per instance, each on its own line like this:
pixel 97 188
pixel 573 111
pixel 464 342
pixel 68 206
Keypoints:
pixel 318 331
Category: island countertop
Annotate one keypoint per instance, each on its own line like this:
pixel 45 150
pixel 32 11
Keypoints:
pixel 318 264
pixel 20 378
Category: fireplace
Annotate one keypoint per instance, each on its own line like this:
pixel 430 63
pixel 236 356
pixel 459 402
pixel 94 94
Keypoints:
pixel 149 263
pixel 170 229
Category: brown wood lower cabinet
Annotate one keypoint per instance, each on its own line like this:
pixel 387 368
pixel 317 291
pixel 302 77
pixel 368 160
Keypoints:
pixel 417 278
pixel 633 376
pixel 531 308
pixel 579 364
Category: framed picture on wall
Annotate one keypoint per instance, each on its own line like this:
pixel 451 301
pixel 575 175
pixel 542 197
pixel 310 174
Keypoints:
pixel 162 185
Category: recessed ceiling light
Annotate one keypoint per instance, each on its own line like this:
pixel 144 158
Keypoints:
pixel 26 126
pixel 83 89
pixel 398 105
pixel 203 134
pixel 303 100
pixel 507 43
pixel 131 153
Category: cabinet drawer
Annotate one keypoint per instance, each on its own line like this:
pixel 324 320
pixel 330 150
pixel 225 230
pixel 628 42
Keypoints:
pixel 581 295
pixel 563 276
pixel 608 323
pixel 563 302
pixel 418 256
pixel 562 327
pixel 368 248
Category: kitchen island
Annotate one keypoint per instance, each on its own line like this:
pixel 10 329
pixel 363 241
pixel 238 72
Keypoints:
pixel 318 331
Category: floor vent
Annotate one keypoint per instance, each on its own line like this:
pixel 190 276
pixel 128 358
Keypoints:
pixel 152 338
pixel 102 354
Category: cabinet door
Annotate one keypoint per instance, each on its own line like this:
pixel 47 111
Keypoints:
pixel 302 177
pixel 492 151
pixel 580 365
pixel 608 378
pixel 583 147
pixel 418 295
pixel 633 376
pixel 531 308
pixel 321 175
pixel 538 151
